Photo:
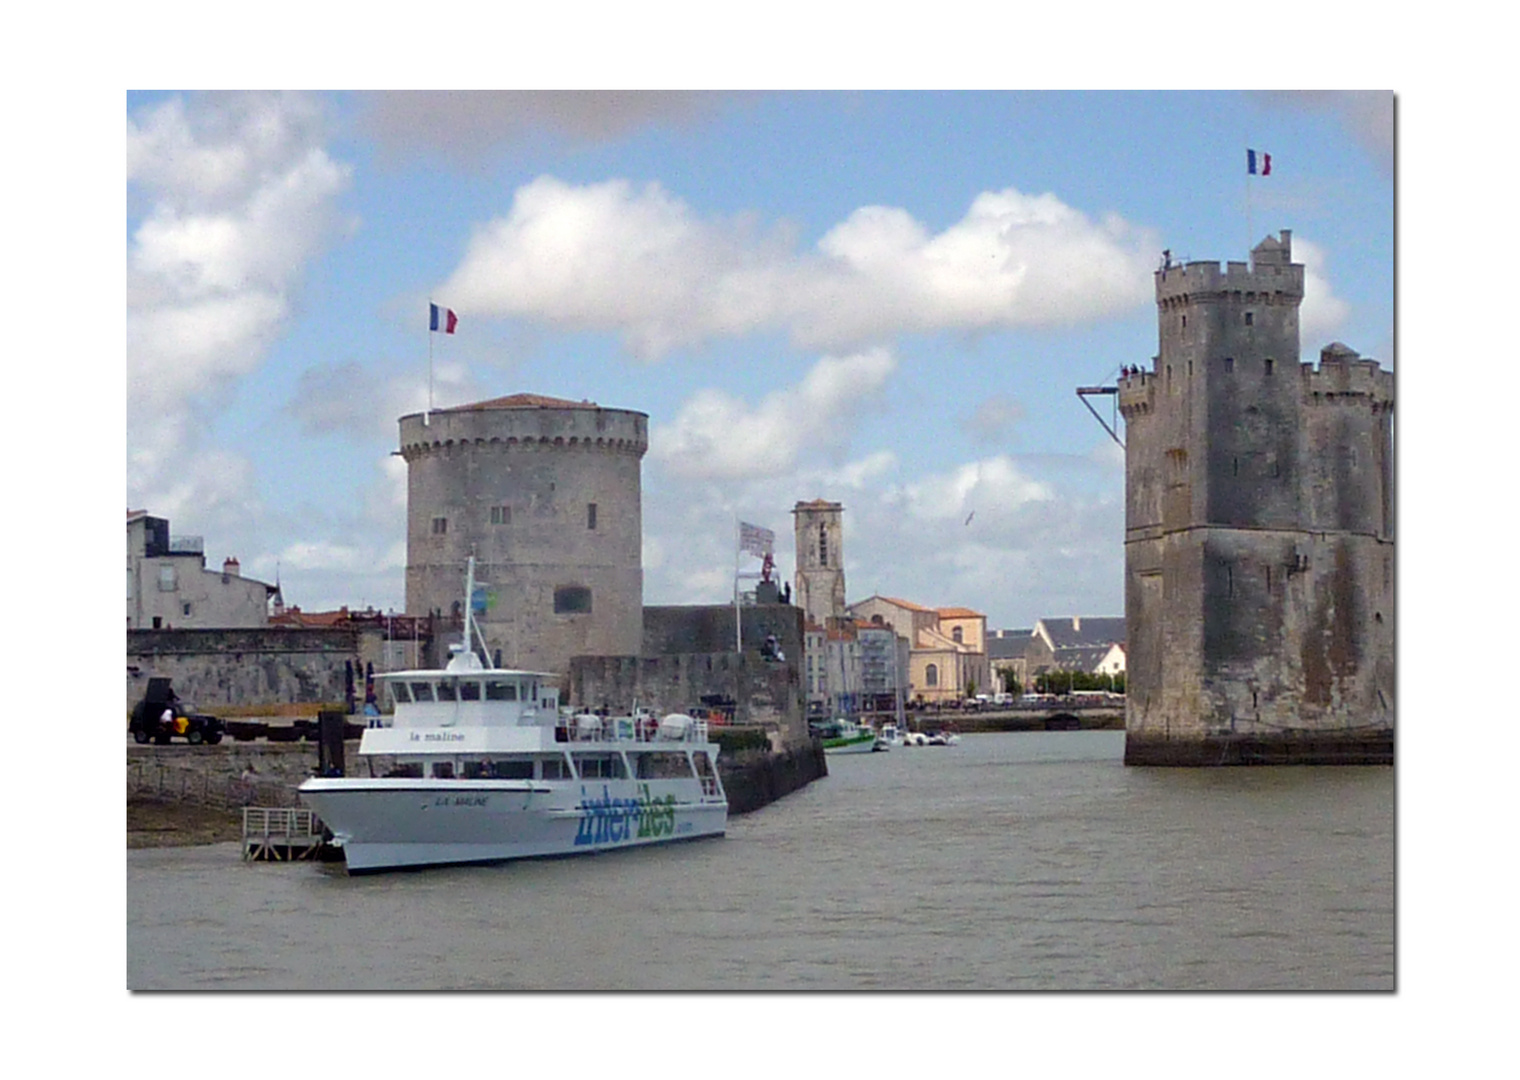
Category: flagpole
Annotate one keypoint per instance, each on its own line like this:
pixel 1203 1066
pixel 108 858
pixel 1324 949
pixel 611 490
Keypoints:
pixel 430 354
pixel 738 625
pixel 1250 227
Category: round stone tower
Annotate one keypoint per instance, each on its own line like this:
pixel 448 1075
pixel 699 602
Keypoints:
pixel 545 493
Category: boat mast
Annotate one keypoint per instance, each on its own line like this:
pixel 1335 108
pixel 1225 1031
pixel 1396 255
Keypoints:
pixel 471 627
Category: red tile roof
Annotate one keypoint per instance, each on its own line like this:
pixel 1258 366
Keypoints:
pixel 958 613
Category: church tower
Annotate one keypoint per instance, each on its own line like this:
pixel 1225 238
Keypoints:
pixel 820 560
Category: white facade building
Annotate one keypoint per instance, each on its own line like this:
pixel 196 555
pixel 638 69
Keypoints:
pixel 169 587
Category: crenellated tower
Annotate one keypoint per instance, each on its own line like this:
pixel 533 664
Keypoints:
pixel 1258 529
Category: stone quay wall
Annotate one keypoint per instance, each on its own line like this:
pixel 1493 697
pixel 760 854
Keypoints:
pixel 245 668
pixel 267 774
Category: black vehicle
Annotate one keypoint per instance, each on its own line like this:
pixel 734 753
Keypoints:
pixel 150 723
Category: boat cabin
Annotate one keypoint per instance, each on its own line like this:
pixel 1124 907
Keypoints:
pixel 465 694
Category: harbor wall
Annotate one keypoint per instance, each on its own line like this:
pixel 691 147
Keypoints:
pixel 755 780
pixel 243 668
pixel 688 664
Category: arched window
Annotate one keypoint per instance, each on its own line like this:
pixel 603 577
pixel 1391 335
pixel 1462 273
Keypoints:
pixel 931 675
pixel 958 635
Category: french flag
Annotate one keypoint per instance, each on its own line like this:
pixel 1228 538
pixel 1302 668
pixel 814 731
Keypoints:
pixel 1253 160
pixel 441 319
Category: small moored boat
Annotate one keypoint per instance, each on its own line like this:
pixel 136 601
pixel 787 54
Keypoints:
pixel 844 737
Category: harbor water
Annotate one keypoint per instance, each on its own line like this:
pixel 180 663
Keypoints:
pixel 1032 862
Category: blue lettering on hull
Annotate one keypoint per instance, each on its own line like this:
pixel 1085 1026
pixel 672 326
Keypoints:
pixel 607 820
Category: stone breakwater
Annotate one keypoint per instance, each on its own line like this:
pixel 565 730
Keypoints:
pixel 754 779
pixel 267 774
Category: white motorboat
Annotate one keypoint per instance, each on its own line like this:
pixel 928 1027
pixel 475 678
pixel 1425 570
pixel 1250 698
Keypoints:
pixel 938 738
pixel 479 766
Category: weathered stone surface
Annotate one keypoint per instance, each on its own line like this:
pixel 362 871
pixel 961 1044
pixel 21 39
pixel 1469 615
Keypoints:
pixel 1259 528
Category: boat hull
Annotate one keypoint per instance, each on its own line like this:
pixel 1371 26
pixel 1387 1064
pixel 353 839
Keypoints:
pixel 864 744
pixel 381 825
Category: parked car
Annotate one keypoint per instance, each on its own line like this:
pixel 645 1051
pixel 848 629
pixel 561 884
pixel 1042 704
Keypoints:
pixel 161 715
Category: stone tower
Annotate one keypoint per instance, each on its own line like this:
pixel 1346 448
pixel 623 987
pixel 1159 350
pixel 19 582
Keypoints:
pixel 820 559
pixel 546 494
pixel 1258 530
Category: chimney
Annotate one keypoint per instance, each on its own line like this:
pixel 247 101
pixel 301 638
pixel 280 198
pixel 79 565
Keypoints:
pixel 1076 624
pixel 230 566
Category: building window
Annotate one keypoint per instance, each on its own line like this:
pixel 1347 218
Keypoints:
pixel 958 635
pixel 440 526
pixel 184 609
pixel 591 515
pixel 1248 318
pixel 572 600
pixel 931 675
pixel 1268 368
pixel 1229 364
pixel 168 580
pixel 823 545
pixel 501 515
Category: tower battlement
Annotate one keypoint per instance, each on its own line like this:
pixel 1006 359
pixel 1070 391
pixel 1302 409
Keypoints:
pixel 1270 277
pixel 1345 377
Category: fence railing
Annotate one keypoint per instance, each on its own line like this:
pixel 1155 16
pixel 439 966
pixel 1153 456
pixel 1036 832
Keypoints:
pixel 151 778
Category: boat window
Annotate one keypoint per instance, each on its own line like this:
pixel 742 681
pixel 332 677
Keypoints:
pixel 447 690
pixel 600 766
pixel 400 693
pixel 469 691
pixel 663 766
pixel 443 770
pixel 555 768
pixel 422 691
pixel 514 769
pixel 475 770
pixel 411 770
pixel 496 690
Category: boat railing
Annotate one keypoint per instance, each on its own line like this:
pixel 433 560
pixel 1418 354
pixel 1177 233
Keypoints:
pixel 588 727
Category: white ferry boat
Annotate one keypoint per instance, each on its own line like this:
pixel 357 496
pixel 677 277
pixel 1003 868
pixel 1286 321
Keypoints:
pixel 481 767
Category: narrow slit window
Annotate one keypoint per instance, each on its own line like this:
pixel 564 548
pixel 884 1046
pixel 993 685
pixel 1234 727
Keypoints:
pixel 591 515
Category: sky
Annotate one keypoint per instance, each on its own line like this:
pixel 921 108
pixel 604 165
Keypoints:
pixel 884 298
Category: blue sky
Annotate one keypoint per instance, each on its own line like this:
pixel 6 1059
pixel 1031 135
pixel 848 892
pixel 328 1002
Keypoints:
pixel 881 298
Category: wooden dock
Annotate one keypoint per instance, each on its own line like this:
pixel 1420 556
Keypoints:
pixel 281 834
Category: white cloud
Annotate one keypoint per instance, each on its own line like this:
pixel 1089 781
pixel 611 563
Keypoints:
pixel 468 125
pixel 1322 312
pixel 993 488
pixel 643 264
pixel 240 196
pixel 1032 546
pixel 717 436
